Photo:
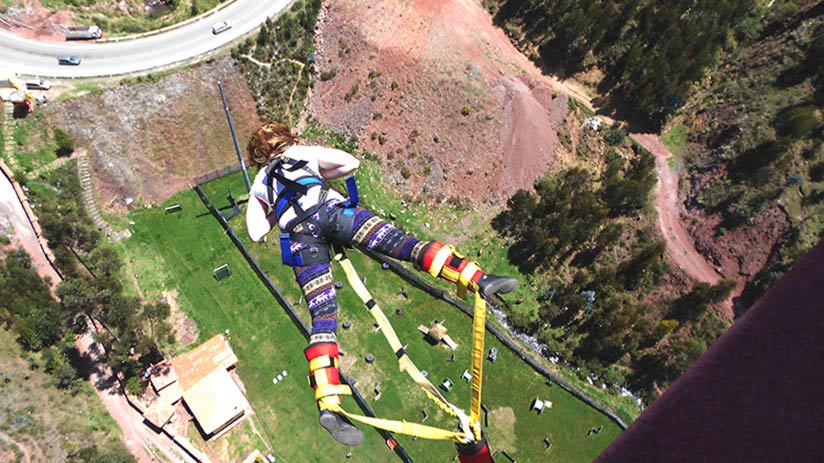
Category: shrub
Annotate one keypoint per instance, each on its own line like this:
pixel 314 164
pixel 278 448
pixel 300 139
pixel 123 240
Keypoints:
pixel 351 93
pixel 134 386
pixel 466 110
pixel 817 172
pixel 798 123
pixel 328 75
pixel 615 136
pixel 64 141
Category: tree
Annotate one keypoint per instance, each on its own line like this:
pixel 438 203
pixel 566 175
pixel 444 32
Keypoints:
pixel 35 317
pixel 693 304
pixel 799 122
pixel 645 266
pixel 64 141
pixel 157 314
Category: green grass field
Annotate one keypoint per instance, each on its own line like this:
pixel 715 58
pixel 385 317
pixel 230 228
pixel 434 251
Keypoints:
pixel 181 250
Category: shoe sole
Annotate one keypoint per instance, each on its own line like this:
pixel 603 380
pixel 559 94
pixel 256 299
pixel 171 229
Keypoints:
pixel 341 429
pixel 504 288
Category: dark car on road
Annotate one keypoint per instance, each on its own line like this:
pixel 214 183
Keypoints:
pixel 68 59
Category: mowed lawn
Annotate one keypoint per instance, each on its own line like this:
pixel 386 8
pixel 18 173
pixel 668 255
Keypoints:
pixel 180 250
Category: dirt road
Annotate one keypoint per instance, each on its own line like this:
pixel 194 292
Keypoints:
pixel 15 219
pixel 680 245
pixel 146 445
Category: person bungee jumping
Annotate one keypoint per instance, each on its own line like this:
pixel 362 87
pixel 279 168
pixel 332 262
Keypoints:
pixel 290 192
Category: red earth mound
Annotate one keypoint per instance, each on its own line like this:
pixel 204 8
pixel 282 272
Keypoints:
pixel 439 93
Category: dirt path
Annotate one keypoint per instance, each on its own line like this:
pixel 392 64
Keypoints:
pixel 28 454
pixel 146 445
pixel 680 245
pixel 23 234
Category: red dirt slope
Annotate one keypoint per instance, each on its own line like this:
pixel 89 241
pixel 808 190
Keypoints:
pixel 438 92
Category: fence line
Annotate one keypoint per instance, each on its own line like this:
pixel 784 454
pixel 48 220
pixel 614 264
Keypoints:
pixel 304 329
pixel 522 353
pixel 216 174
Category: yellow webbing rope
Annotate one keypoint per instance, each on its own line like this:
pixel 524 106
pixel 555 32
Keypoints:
pixel 470 426
pixel 478 332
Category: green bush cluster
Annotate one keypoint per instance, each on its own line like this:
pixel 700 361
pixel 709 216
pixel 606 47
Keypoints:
pixel 92 281
pixel 287 46
pixel 652 52
pixel 576 223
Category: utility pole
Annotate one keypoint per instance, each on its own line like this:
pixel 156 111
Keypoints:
pixel 234 136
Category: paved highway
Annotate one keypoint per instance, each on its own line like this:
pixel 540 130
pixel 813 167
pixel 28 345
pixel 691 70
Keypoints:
pixel 180 44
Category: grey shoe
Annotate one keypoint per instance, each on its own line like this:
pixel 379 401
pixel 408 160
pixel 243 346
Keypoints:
pixel 341 428
pixel 492 284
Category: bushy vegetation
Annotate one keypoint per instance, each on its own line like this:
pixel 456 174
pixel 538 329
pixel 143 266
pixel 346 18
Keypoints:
pixel 136 330
pixel 765 138
pixel 64 141
pixel 279 63
pixel 28 308
pixel 43 419
pixel 580 234
pixel 651 52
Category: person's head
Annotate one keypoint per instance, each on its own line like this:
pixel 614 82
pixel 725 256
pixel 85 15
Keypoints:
pixel 269 142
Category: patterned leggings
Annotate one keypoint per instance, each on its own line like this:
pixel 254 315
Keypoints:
pixel 370 232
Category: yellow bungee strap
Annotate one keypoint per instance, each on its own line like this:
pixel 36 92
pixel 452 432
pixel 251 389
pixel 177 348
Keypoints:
pixel 469 425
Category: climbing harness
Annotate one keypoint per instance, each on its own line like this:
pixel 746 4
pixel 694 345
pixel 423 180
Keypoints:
pixel 286 194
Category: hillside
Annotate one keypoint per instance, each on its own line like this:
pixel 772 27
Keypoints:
pixel 146 139
pixel 754 153
pixel 439 94
pixel 74 426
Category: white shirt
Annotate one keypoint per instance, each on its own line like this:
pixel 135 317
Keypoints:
pixel 261 191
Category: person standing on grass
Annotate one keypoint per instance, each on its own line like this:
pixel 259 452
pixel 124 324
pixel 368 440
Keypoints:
pixel 290 192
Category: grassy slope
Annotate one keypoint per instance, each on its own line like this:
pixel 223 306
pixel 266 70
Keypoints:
pixel 68 422
pixel 181 250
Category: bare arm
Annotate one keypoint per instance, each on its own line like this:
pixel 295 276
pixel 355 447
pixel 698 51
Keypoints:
pixel 333 163
pixel 258 220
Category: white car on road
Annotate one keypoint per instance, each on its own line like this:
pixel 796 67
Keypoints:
pixel 38 84
pixel 222 26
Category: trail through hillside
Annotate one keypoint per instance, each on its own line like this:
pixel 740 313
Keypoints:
pixel 13 218
pixel 145 444
pixel 680 244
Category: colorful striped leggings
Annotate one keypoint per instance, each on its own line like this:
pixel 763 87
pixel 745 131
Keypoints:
pixel 370 232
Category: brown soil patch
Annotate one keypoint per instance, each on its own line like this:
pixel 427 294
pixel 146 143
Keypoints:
pixel 502 421
pixel 439 93
pixel 39 23
pixel 147 141
pixel 185 328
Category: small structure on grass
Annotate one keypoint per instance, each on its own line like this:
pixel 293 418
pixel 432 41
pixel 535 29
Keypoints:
pixel 204 380
pixel 174 208
pixel 221 273
pixel 234 211
pixel 493 355
pixel 447 384
pixel 467 376
pixel 538 405
pixel 437 333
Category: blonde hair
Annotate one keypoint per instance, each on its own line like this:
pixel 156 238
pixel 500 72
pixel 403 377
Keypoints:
pixel 269 142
